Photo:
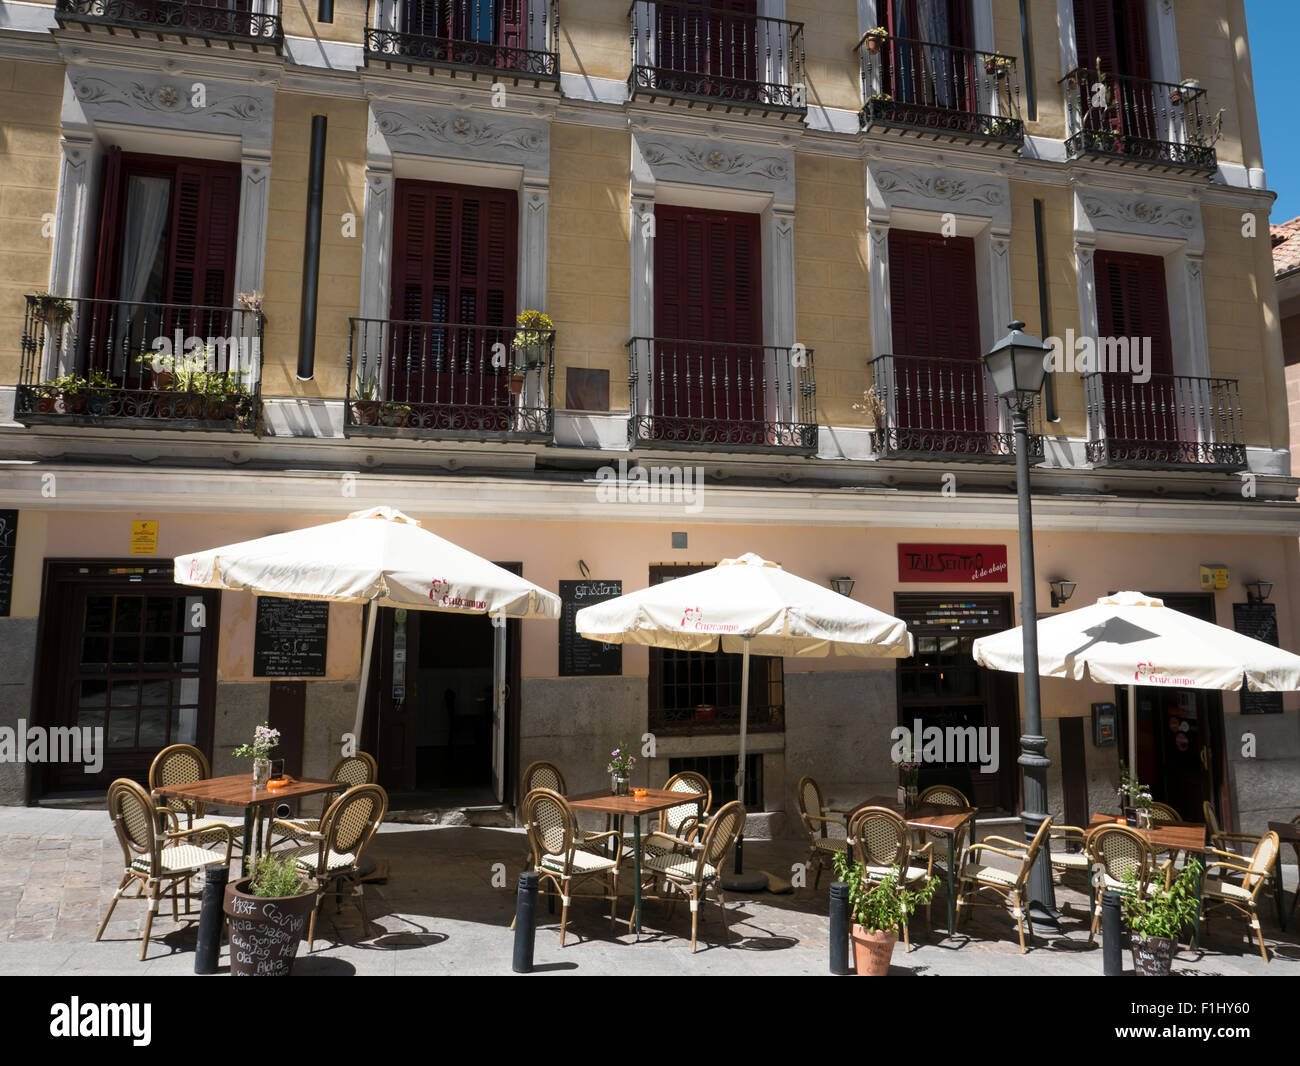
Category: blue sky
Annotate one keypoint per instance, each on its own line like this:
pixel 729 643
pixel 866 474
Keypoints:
pixel 1273 26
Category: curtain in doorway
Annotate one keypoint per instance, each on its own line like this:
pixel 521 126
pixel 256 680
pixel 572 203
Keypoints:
pixel 937 64
pixel 148 200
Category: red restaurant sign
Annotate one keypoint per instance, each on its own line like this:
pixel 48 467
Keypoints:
pixel 943 564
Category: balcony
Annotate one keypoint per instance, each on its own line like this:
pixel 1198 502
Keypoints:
pixel 936 90
pixel 141 365
pixel 721 59
pixel 449 381
pixel 725 397
pixel 1172 422
pixel 516 40
pixel 1137 122
pixel 944 409
pixel 252 23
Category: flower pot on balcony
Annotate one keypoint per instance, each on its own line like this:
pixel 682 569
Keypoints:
pixel 516 384
pixel 872 950
pixel 873 45
pixel 365 412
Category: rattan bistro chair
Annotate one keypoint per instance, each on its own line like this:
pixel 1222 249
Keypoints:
pixel 183 764
pixel 694 866
pixel 332 856
pixel 563 855
pixel 682 822
pixel 1115 852
pixel 827 828
pixel 1221 840
pixel 156 861
pixel 945 796
pixel 349 771
pixel 881 843
pixel 1219 892
pixel 976 877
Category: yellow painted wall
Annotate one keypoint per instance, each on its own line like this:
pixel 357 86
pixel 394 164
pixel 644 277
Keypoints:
pixel 299 20
pixel 30 98
pixel 829 35
pixel 832 303
pixel 588 254
pixel 594 38
pixel 1209 46
pixel 340 262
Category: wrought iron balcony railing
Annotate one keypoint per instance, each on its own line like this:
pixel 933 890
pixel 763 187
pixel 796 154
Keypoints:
pixel 516 39
pixel 1138 121
pixel 450 380
pixel 252 22
pixel 957 93
pixel 149 365
pixel 727 59
pixel 1170 422
pixel 947 409
pixel 730 397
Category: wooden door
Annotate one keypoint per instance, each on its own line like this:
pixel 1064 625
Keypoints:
pixel 1112 39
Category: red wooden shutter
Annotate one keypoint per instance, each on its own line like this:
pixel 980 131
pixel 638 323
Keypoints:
pixel 961 25
pixel 110 223
pixel 1094 33
pixel 514 18
pixel 1131 29
pixel 204 234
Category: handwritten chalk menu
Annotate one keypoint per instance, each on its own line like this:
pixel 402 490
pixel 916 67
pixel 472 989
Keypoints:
pixel 1258 620
pixel 291 637
pixel 580 657
pixel 8 547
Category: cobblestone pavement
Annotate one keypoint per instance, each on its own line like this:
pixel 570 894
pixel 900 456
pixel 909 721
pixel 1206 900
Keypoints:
pixel 446 906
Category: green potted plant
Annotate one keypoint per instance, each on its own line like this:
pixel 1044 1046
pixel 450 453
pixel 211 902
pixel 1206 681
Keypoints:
pixel 365 408
pixel 1134 797
pixel 534 329
pixel 998 65
pixel 55 310
pixel 620 766
pixel 264 739
pixel 97 388
pixel 268 915
pixel 875 37
pixel 394 414
pixel 70 388
pixel 877 910
pixel 1156 917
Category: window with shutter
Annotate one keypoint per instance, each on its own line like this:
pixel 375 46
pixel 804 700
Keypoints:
pixel 453 300
pixel 708 357
pixel 1112 35
pixel 708 49
pixel 931 77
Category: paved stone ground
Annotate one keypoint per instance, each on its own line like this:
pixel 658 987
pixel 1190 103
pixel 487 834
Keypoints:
pixel 439 913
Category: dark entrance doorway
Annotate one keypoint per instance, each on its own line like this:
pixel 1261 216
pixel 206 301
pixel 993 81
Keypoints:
pixel 1179 734
pixel 941 685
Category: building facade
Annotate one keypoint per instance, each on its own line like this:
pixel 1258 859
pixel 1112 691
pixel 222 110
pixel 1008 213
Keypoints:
pixel 264 266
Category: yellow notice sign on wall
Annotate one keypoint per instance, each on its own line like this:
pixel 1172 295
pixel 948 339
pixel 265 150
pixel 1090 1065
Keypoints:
pixel 144 538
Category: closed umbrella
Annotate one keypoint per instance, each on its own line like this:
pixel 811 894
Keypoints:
pixel 1133 639
pixel 746 605
pixel 380 557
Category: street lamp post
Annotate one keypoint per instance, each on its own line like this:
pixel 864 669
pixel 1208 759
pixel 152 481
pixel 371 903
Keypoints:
pixel 1017 365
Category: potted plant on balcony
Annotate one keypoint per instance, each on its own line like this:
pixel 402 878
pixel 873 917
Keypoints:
pixel 97 389
pixel 876 911
pixel 70 390
pixel 394 415
pixel 998 65
pixel 365 408
pixel 1156 917
pixel 268 914
pixel 55 310
pixel 533 330
pixel 875 37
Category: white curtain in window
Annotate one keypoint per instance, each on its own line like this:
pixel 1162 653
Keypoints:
pixel 938 63
pixel 147 201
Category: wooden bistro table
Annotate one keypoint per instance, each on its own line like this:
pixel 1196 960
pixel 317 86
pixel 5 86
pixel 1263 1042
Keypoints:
pixel 936 819
pixel 620 807
pixel 1287 833
pixel 1176 836
pixel 237 791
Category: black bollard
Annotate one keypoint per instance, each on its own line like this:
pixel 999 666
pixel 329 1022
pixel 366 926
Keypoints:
pixel 1112 958
pixel 525 909
pixel 739 867
pixel 210 919
pixel 839 927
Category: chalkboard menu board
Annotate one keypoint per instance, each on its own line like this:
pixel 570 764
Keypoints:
pixel 291 637
pixel 580 657
pixel 8 546
pixel 1258 620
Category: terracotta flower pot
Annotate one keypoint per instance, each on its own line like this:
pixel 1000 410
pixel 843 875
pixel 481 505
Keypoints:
pixel 1153 956
pixel 516 384
pixel 265 930
pixel 872 951
pixel 873 45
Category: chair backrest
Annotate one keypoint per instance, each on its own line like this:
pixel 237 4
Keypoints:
pixel 543 775
pixel 1212 827
pixel 1162 812
pixel 1120 851
pixel 943 796
pixel 180 764
pixel 880 838
pixel 689 781
pixel 1261 862
pixel 358 769
pixel 1031 853
pixel 135 822
pixel 549 821
pixel 351 820
pixel 723 829
pixel 810 802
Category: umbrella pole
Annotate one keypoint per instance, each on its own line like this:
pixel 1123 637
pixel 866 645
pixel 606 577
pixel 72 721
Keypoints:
pixel 364 682
pixel 740 771
pixel 1132 730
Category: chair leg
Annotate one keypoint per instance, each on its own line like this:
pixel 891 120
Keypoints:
pixel 311 925
pixel 155 892
pixel 1259 934
pixel 695 916
pixel 126 880
pixel 1096 920
pixel 360 891
pixel 176 914
pixel 564 912
pixel 613 901
pixel 722 903
pixel 1020 919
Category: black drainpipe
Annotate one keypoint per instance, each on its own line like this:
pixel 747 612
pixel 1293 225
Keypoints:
pixel 311 252
pixel 1040 246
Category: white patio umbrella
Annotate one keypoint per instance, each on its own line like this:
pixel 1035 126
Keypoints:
pixel 1133 639
pixel 379 557
pixel 746 605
